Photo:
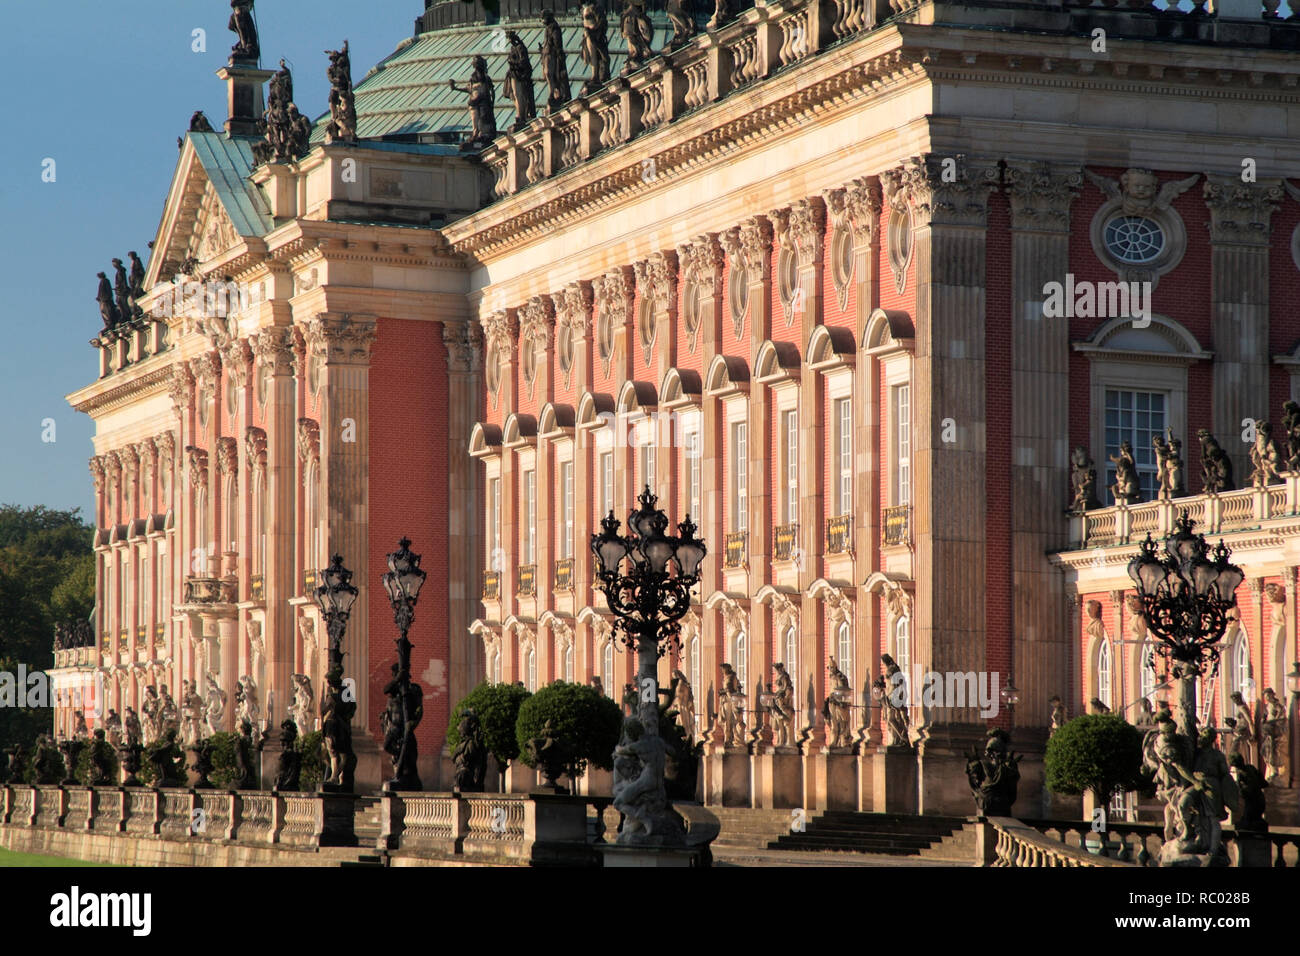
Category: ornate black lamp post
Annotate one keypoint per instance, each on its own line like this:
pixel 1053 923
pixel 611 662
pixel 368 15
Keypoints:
pixel 647 578
pixel 335 595
pixel 405 700
pixel 1186 596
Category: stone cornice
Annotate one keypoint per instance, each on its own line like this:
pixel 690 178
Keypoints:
pixel 123 392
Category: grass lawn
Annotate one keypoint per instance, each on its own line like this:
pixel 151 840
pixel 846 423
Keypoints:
pixel 9 858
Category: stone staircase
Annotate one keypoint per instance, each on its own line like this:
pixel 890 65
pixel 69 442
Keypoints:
pixel 367 825
pixel 747 829
pixel 941 839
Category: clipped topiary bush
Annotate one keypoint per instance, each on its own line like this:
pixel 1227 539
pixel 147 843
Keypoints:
pixel 586 726
pixel 146 775
pixel 1100 753
pixel 222 746
pixel 497 708
pixel 85 769
pixel 310 745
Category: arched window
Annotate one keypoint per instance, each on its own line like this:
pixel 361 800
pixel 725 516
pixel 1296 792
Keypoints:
pixel 1103 674
pixel 232 512
pixel 568 663
pixel 844 640
pixel 903 649
pixel 739 655
pixel 530 678
pixel 313 517
pixel 259 538
pixel 607 675
pixel 1148 674
pixel 792 653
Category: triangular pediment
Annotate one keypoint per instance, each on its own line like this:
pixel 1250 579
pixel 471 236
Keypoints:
pixel 212 208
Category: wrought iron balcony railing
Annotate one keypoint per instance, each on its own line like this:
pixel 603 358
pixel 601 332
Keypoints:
pixel 159 633
pixel 564 574
pixel 257 587
pixel 896 530
pixel 309 581
pixel 736 546
pixel 839 534
pixel 527 580
pixel 784 538
pixel 491 585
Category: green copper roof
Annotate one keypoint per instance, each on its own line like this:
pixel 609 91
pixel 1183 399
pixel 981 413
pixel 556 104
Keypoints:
pixel 407 94
pixel 228 162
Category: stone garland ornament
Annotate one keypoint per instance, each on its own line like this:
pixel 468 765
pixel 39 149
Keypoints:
pixel 482 105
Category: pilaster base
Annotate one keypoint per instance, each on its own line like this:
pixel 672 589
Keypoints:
pixel 778 781
pixel 894 780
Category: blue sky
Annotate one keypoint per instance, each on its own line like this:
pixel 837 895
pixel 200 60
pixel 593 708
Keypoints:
pixel 104 89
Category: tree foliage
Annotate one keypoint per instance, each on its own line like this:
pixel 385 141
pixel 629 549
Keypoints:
pixel 497 708
pixel 586 725
pixel 47 576
pixel 1100 753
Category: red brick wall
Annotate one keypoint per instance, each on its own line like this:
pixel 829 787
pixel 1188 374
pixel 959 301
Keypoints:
pixel 997 397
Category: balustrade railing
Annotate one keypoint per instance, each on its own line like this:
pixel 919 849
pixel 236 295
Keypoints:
pixel 735 547
pixel 491 585
pixel 839 534
pixel 527 580
pixel 564 574
pixel 896 528
pixel 784 538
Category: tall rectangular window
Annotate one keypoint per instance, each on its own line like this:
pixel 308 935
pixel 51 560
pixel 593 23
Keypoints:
pixel 691 474
pixel 494 524
pixel 606 483
pixel 844 456
pixel 903 445
pixel 647 462
pixel 566 509
pixel 740 477
pixel 1135 417
pixel 530 517
pixel 791 467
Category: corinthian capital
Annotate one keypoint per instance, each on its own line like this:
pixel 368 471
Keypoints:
pixel 573 306
pixel 206 369
pixel 749 246
pixel 806 229
pixel 97 473
pixel 613 293
pixel 1040 195
pixel 536 321
pixel 181 387
pixel 274 348
pixel 701 262
pixel 656 279
pixel 1241 212
pixel 235 358
pixel 342 339
pixel 500 330
pixel 942 190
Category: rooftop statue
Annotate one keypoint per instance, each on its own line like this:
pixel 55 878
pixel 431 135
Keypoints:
pixel 1126 487
pixel 285 128
pixel 136 277
pixel 343 109
pixel 519 81
pixel 1265 459
pixel 1169 465
pixel 1291 435
pixel 679 14
pixel 721 14
pixel 122 292
pixel 482 104
pixel 555 68
pixel 1083 481
pixel 638 32
pixel 595 47
pixel 1216 466
pixel 107 311
pixel 199 123
pixel 241 24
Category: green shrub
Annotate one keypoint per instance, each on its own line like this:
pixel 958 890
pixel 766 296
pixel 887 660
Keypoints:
pixel 84 773
pixel 222 751
pixel 1100 753
pixel 587 725
pixel 311 746
pixel 497 708
pixel 145 774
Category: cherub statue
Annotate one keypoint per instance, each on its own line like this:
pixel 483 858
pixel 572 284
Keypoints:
pixel 1083 481
pixel 1216 466
pixel 1265 459
pixel 1126 487
pixel 1291 434
pixel 1140 192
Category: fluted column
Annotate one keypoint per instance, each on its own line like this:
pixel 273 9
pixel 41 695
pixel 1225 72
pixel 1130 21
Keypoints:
pixel 343 343
pixel 1040 196
pixel 1240 226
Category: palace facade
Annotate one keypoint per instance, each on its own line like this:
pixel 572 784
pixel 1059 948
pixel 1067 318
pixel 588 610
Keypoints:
pixel 793 276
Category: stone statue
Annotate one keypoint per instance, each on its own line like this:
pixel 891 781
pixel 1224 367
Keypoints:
pixel 482 105
pixel 241 24
pixel 215 708
pixel 199 123
pixel 244 778
pixel 191 715
pixel 1169 465
pixel 1083 481
pixel 398 722
pixel 1197 790
pixel 1251 785
pixel 1058 715
pixel 1146 718
pixel 247 707
pixel 201 751
pixel 122 292
pixel 519 81
pixel 104 296
pixel 1126 487
pixel 113 725
pixel 1273 737
pixel 136 278
pixel 1243 730
pixel 684 704
pixel 731 708
pixel 1216 466
pixel 1291 435
pixel 303 708
pixel 471 754
pixel 679 15
pixel 79 729
pixel 165 773
pixel 343 108
pixel 598 685
pixel 1096 706
pixel 101 760
pixel 128 757
pixel 152 715
pixel 631 699
pixel 555 66
pixel 134 736
pixel 547 756
pixel 721 14
pixel 639 761
pixel 47 761
pixel 288 770
pixel 782 707
pixel 995 776
pixel 837 708
pixel 893 683
pixel 638 32
pixel 1265 459
pixel 336 732
pixel 595 47
pixel 284 141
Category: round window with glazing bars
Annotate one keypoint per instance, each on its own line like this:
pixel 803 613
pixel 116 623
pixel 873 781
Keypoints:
pixel 1134 239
